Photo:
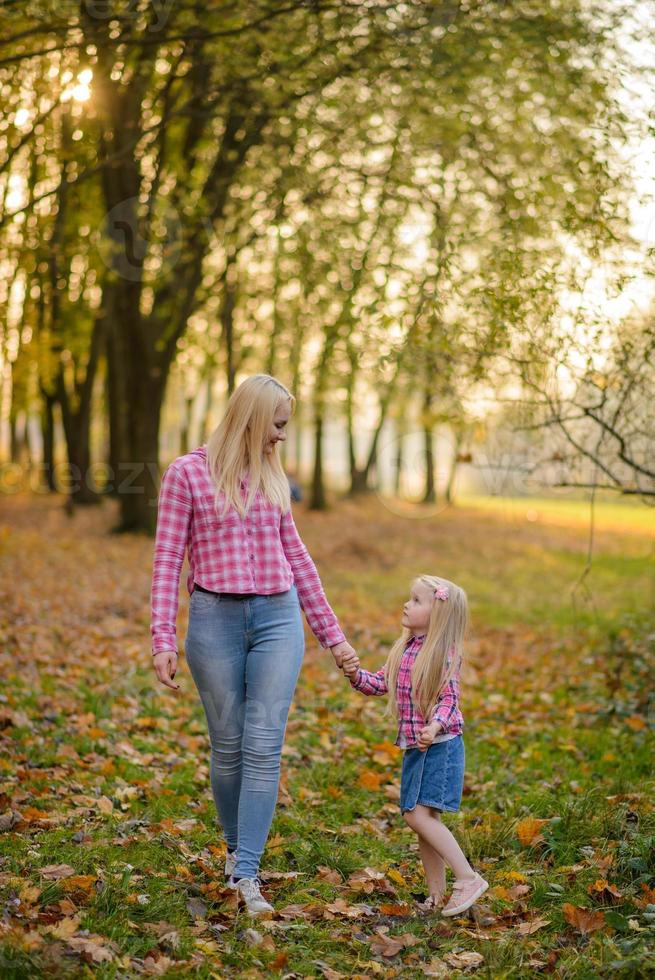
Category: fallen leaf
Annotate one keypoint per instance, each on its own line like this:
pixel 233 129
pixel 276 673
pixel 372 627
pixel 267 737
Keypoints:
pixel 604 892
pixel 401 910
pixel 527 928
pixel 9 820
pixel 370 780
pixel 65 928
pixel 396 876
pixel 369 880
pixel 582 919
pixel 388 946
pixel 329 874
pixel 436 968
pixel 93 947
pixel 461 961
pixel 341 907
pixel 53 872
pixel 105 805
pixel 327 970
pixel 528 831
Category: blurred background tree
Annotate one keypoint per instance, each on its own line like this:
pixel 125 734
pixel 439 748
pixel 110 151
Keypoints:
pixel 386 205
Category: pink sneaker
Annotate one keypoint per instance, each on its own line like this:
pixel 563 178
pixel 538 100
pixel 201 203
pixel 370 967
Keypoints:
pixel 465 893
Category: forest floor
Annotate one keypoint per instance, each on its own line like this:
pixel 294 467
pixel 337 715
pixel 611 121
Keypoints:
pixel 111 862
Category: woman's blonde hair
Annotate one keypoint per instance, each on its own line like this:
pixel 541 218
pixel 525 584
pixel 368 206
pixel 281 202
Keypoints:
pixel 236 446
pixel 444 639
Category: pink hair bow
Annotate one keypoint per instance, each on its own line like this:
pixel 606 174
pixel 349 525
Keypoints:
pixel 441 593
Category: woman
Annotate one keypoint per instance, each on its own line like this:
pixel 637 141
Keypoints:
pixel 228 505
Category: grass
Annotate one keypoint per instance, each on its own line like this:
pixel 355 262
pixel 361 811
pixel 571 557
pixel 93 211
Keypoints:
pixel 110 771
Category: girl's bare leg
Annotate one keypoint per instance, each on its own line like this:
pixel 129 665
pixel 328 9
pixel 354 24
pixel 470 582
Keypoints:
pixel 437 835
pixel 435 869
pixel 434 865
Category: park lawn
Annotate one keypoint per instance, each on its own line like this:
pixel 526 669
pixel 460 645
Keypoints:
pixel 112 864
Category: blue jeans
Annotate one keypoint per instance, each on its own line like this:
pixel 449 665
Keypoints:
pixel 245 656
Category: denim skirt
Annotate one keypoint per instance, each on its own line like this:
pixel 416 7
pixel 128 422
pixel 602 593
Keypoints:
pixel 435 777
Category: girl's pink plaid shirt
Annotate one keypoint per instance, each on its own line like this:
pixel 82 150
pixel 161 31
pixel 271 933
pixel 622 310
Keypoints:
pixel 260 554
pixel 410 720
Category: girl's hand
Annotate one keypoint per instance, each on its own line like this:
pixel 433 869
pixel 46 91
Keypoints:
pixel 165 664
pixel 351 667
pixel 427 734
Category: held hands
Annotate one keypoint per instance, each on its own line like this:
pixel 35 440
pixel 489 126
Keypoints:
pixel 427 734
pixel 165 664
pixel 345 658
pixel 350 667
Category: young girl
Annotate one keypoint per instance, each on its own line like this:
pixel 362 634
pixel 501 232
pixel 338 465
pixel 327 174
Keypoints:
pixel 423 671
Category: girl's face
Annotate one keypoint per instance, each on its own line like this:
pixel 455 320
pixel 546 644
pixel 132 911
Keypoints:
pixel 417 609
pixel 277 431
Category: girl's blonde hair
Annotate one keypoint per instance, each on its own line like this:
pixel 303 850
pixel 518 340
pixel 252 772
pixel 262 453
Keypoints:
pixel 444 639
pixel 236 446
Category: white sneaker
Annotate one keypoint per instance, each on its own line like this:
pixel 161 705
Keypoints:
pixel 230 863
pixel 249 890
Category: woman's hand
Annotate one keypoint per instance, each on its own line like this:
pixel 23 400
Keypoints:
pixel 165 664
pixel 427 734
pixel 344 654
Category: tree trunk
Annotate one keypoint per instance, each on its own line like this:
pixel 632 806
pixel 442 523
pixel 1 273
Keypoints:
pixel 48 436
pixel 77 421
pixel 430 494
pixel 139 385
pixel 318 500
pixel 450 485
pixel 185 431
pixel 116 412
pixel 399 462
pixel 229 282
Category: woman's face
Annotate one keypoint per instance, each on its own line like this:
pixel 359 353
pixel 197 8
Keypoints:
pixel 277 431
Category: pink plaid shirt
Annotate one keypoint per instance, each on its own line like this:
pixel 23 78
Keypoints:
pixel 260 554
pixel 410 720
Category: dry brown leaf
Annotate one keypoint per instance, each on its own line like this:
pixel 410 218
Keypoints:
pixel 105 805
pixel 93 947
pixel 369 880
pixel 527 928
pixel 436 968
pixel 603 892
pixel 464 960
pixel 327 971
pixel 385 945
pixel 528 831
pixel 9 820
pixel 584 920
pixel 83 883
pixel 30 814
pixel 329 874
pixel 647 896
pixel 341 907
pixel 65 928
pixel 403 909
pixel 294 912
pixel 636 723
pixel 370 780
pixel 53 872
